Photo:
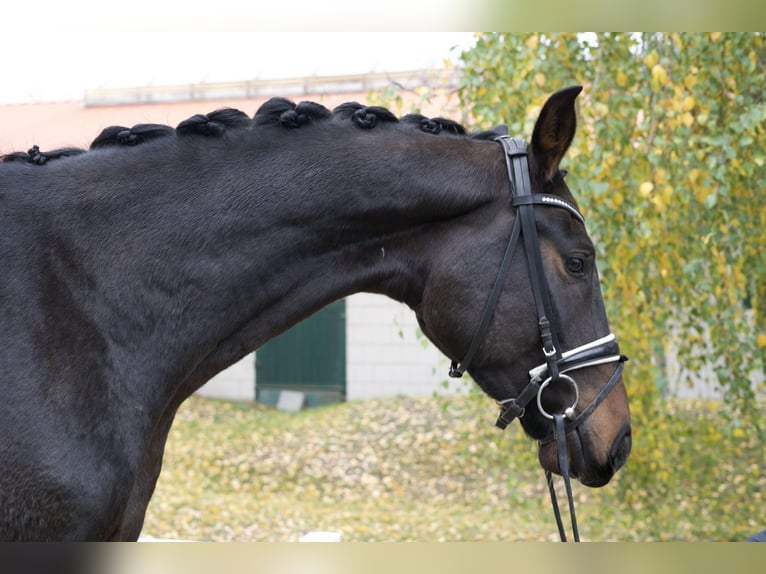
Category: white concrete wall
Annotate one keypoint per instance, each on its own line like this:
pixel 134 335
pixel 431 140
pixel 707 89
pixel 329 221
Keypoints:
pixel 703 383
pixel 384 357
pixel 237 383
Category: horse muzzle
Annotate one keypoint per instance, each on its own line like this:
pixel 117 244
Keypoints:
pixel 584 428
pixel 589 463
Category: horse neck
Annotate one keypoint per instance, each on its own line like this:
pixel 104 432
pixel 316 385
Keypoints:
pixel 236 242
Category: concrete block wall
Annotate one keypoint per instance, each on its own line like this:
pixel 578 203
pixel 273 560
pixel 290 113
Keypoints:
pixel 237 383
pixel 384 356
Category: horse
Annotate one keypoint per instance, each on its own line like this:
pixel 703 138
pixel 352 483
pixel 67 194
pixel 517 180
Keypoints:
pixel 137 269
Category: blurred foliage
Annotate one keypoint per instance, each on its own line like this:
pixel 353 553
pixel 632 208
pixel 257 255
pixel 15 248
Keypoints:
pixel 668 166
pixel 430 470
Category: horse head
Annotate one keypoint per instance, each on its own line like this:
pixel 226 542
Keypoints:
pixel 543 346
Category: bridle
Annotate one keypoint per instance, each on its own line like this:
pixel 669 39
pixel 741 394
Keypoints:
pixel 557 364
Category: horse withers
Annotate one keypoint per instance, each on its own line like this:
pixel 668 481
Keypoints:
pixel 136 270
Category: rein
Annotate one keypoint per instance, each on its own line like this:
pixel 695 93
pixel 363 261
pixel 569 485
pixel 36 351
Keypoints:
pixel 557 364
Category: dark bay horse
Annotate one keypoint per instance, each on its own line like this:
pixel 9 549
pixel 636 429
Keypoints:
pixel 136 270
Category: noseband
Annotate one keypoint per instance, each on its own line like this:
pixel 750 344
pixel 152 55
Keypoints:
pixel 557 364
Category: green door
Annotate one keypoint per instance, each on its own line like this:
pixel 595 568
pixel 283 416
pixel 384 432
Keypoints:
pixel 310 358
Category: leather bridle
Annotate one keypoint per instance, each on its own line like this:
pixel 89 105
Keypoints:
pixel 557 365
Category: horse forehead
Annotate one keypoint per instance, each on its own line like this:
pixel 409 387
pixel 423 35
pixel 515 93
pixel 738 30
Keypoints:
pixel 560 225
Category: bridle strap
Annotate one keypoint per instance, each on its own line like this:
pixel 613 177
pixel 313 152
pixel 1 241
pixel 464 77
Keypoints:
pixel 560 436
pixel 511 409
pixel 457 369
pixel 516 160
pixel 523 199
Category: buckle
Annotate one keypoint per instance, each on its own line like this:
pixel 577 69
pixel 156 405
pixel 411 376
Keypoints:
pixel 509 411
pixel 551 353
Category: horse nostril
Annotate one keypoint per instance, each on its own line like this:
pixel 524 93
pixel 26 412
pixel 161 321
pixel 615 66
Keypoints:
pixel 620 449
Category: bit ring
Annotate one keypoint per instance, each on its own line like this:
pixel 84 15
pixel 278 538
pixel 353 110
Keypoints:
pixel 569 413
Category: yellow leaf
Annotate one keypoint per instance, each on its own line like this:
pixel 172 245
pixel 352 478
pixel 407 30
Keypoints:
pixel 540 80
pixel 651 59
pixel 533 41
pixel 689 103
pixel 701 193
pixel 622 79
pixel 659 75
pixel 761 340
pixel 693 175
pixel 715 36
pixel 645 188
pixel 667 193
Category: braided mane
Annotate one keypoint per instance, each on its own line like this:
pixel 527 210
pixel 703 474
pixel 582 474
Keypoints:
pixel 138 134
pixel 36 157
pixel 279 112
pixel 213 124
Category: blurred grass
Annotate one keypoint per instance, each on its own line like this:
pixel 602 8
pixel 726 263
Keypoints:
pixel 436 469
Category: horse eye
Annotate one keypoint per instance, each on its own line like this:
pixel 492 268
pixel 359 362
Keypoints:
pixel 576 265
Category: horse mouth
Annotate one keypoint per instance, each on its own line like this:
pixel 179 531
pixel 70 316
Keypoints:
pixel 584 465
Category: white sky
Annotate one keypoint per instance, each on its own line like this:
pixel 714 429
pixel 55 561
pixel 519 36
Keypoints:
pixel 46 60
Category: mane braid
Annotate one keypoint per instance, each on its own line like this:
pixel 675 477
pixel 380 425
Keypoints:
pixel 36 157
pixel 365 117
pixel 433 125
pixel 214 124
pixel 122 136
pixel 275 112
pixel 283 112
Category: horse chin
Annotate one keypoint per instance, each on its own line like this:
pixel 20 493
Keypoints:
pixel 585 464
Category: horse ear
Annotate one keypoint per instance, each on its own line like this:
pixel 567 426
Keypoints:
pixel 554 131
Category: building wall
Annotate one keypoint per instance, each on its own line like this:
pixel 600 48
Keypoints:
pixel 237 383
pixel 384 356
